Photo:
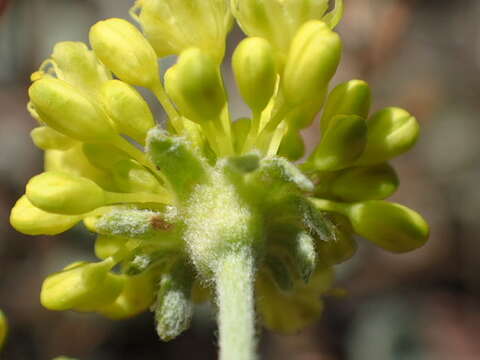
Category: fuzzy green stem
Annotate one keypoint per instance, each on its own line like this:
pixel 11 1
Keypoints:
pixel 235 280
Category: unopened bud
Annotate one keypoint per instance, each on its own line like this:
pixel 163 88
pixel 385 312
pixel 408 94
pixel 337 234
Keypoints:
pixel 61 193
pixel 255 72
pixel 391 226
pixel 67 110
pixel 194 84
pixel 137 295
pixel 81 286
pixel 311 62
pixel 124 50
pixel 365 183
pixel 350 98
pixel 30 220
pixel 173 27
pixel 342 143
pixel 128 110
pixel 391 132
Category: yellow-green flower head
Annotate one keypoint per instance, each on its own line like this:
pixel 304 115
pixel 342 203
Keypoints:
pixel 185 207
pixel 172 26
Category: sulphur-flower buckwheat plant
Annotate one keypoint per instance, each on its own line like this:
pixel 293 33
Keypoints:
pixel 204 208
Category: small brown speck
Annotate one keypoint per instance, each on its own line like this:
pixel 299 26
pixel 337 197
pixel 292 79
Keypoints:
pixel 159 223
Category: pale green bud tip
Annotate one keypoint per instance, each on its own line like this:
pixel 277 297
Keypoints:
pixel 30 220
pixel 195 86
pixel 311 62
pixel 61 193
pixel 124 50
pixel 69 111
pixel 391 226
pixel 255 72
pixel 81 286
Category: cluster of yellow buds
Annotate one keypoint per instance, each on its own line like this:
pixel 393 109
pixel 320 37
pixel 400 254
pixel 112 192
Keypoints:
pixel 175 206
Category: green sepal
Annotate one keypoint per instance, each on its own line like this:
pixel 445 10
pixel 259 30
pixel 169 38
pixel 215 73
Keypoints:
pixel 173 306
pixel 130 176
pixel 81 286
pixel 279 271
pixel 61 193
pixel 342 144
pixel 305 255
pixel 391 132
pixel 349 98
pixel 31 220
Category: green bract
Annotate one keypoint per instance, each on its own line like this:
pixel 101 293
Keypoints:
pixel 199 207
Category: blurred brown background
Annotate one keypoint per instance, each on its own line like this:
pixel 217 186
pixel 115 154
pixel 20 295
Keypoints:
pixel 423 55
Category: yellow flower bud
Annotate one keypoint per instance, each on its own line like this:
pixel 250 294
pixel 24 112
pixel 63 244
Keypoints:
pixel 46 138
pixel 311 62
pixel 68 111
pixel 350 98
pixel 128 110
pixel 278 20
pixel 391 132
pixel 62 193
pixel 124 50
pixel 391 226
pixel 195 86
pixel 79 66
pixel 342 144
pixel 82 287
pixel 255 72
pixel 30 220
pixel 137 295
pixel 172 27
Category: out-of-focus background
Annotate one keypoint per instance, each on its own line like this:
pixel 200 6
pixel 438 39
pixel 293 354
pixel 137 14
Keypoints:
pixel 423 55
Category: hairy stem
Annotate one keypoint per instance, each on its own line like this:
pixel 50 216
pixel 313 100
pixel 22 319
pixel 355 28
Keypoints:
pixel 235 281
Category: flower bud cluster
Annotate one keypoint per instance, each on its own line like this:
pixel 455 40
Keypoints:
pixel 168 204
